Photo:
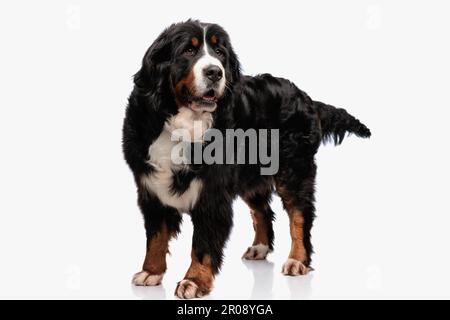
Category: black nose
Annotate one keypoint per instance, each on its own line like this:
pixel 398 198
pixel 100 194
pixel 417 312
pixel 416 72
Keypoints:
pixel 213 73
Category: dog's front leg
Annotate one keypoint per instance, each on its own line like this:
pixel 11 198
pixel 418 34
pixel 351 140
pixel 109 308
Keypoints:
pixel 212 225
pixel 161 224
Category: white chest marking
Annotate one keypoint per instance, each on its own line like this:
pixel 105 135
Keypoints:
pixel 159 182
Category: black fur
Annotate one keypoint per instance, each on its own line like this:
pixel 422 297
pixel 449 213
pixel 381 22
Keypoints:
pixel 337 122
pixel 249 102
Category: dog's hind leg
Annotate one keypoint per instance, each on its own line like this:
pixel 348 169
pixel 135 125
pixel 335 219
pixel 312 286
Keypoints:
pixel 262 216
pixel 296 189
pixel 256 191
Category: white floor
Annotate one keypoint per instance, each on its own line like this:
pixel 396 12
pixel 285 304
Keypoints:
pixel 363 250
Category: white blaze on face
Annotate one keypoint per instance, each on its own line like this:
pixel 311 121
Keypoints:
pixel 205 61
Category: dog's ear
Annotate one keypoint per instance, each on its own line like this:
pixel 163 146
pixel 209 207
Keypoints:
pixel 154 63
pixel 235 66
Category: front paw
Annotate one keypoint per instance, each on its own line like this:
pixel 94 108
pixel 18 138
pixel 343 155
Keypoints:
pixel 144 278
pixel 294 267
pixel 188 289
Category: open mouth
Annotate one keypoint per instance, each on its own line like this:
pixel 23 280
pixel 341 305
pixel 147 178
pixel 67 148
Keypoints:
pixel 208 98
pixel 206 102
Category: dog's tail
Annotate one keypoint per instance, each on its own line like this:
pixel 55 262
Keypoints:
pixel 336 122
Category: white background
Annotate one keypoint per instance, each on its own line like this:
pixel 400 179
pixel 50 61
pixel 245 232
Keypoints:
pixel 69 223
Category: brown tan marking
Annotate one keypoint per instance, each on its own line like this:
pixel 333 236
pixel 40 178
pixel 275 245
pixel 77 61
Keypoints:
pixel 157 249
pixel 201 272
pixel 298 251
pixel 260 246
pixel 296 222
pixel 260 227
pixel 198 280
pixel 195 42
pixel 188 82
pixel 259 222
pixel 214 39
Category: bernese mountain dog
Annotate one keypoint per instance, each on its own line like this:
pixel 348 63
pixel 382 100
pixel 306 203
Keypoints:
pixel 191 74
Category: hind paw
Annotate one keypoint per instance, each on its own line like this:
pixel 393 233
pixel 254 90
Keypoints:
pixel 294 267
pixel 256 252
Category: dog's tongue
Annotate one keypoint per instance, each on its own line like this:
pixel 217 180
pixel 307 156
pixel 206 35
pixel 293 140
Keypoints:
pixel 209 96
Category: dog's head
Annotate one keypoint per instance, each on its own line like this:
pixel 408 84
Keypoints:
pixel 192 63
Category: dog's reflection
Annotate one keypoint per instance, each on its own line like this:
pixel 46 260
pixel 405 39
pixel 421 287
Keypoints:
pixel 263 277
pixel 300 287
pixel 149 293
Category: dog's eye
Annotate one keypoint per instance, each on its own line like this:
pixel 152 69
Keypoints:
pixel 189 51
pixel 219 52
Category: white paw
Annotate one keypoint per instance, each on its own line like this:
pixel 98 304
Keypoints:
pixel 294 267
pixel 187 289
pixel 144 278
pixel 256 252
